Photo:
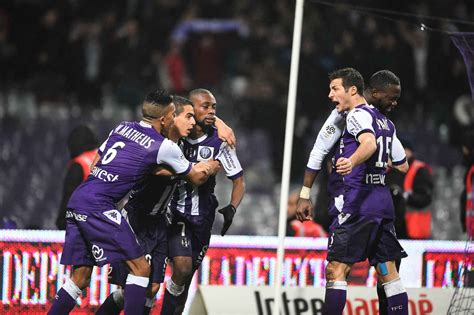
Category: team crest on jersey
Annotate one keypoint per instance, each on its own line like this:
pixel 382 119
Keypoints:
pixel 205 153
pixel 114 216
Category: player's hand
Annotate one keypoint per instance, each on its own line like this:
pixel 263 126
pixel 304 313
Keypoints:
pixel 304 212
pixel 214 167
pixel 228 213
pixel 343 166
pixel 225 133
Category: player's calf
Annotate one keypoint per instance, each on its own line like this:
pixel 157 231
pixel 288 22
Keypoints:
pixel 397 298
pixel 136 286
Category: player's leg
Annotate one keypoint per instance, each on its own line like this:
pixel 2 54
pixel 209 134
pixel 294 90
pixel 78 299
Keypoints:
pixel 180 253
pixel 76 253
pixel 176 285
pixel 383 302
pixel 336 287
pixel 388 251
pixel 113 304
pixel 201 237
pixel 136 285
pixel 350 242
pixel 397 298
pixel 65 299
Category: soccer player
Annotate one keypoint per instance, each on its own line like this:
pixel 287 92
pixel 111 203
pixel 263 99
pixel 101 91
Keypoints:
pixel 346 86
pixel 96 232
pixel 193 208
pixel 145 210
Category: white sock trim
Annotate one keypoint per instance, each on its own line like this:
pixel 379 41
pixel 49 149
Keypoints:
pixel 173 288
pixel 149 302
pixel 72 289
pixel 336 285
pixel 137 280
pixel 394 287
pixel 117 295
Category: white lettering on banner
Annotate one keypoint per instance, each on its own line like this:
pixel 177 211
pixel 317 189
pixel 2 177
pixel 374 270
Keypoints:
pixel 309 300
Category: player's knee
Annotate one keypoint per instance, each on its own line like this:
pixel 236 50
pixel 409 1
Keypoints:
pixel 139 267
pixel 336 271
pixel 183 271
pixel 81 277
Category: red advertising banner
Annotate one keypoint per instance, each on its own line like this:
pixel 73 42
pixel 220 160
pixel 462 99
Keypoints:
pixel 31 273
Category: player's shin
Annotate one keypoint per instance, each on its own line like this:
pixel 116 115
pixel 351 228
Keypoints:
pixel 172 297
pixel 335 298
pixel 65 299
pixel 135 294
pixel 397 297
pixel 113 304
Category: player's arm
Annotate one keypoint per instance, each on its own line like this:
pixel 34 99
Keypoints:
pixel 397 155
pixel 225 133
pixel 367 147
pixel 100 151
pixel 359 124
pixel 231 165
pixel 96 159
pixel 327 137
pixel 201 171
pixel 171 155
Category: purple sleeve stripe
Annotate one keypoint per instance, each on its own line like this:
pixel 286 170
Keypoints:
pixel 399 162
pixel 364 131
pixel 190 166
pixel 239 174
pixel 312 170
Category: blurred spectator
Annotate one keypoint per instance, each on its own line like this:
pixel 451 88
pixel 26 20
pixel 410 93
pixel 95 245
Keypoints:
pixel 416 187
pixel 463 118
pixel 295 227
pixel 82 144
pixel 467 196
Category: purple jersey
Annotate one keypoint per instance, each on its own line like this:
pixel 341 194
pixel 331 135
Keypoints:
pixel 196 204
pixel 132 151
pixel 365 192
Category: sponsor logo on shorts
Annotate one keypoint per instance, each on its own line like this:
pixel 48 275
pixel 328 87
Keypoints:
pixel 98 253
pixel 202 254
pixel 114 216
pixel 78 217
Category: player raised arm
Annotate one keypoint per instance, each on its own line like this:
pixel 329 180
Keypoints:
pixel 327 137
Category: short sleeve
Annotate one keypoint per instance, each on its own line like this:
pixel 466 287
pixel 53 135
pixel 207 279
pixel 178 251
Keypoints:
pixel 227 156
pixel 170 154
pixel 358 122
pixel 327 137
pixel 398 156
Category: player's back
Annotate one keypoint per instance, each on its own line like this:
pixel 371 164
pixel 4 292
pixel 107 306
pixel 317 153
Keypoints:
pixel 129 153
pixel 152 196
pixel 365 191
